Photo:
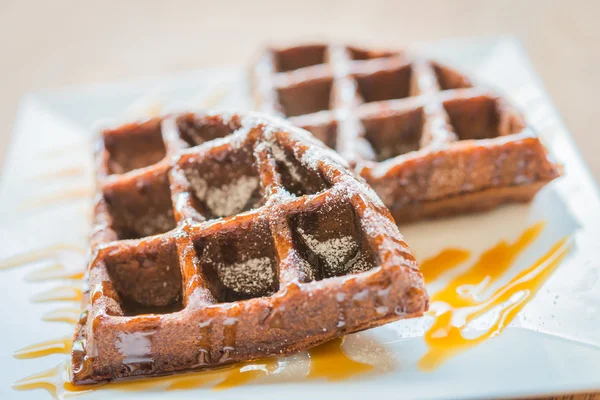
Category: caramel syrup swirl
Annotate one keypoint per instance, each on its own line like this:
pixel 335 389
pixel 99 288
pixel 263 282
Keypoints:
pixel 462 294
pixel 463 290
pixel 59 293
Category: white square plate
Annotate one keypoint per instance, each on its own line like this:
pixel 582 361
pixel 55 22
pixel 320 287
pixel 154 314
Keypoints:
pixel 553 345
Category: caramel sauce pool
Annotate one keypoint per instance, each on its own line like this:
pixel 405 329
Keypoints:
pixel 330 362
pixel 327 361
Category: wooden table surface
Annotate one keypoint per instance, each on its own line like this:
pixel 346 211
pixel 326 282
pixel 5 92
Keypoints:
pixel 49 44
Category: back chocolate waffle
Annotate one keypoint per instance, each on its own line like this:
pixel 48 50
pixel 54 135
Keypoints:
pixel 225 238
pixel 429 142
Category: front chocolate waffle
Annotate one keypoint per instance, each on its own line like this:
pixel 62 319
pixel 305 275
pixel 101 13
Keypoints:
pixel 225 238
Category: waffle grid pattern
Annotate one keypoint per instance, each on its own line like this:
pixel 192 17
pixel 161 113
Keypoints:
pixel 224 238
pixel 422 135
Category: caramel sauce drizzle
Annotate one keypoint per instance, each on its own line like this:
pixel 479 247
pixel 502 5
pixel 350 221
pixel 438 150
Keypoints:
pixel 39 254
pixel 45 348
pixel 444 261
pixel 60 293
pixel 463 290
pixel 444 338
pixel 54 380
pixel 52 272
pixel 67 315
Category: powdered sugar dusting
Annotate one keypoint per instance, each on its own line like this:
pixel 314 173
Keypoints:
pixel 280 155
pixel 305 268
pixel 350 185
pixel 155 223
pixel 252 276
pixel 338 252
pixel 228 199
pixel 361 264
pixel 311 159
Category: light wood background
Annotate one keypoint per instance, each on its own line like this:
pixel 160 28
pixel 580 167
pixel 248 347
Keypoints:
pixel 49 44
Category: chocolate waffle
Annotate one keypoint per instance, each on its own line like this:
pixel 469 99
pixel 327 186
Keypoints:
pixel 424 137
pixel 226 238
